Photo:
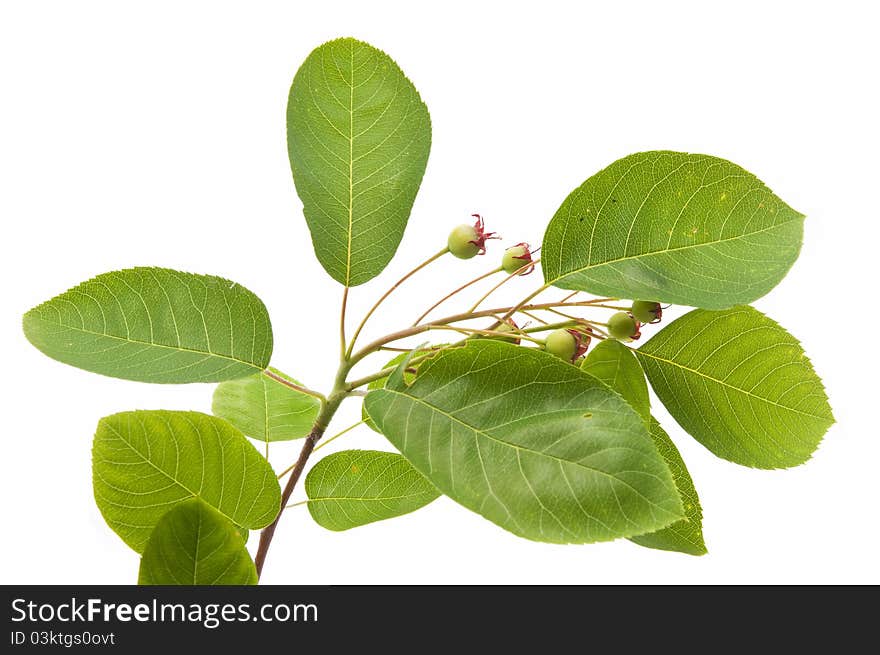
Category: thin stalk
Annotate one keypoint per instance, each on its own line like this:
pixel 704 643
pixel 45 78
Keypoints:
pixel 385 372
pixel 457 318
pixel 522 303
pixel 553 326
pixel 615 307
pixel 366 318
pixel 452 293
pixel 342 311
pixel 488 333
pixel 292 385
pixel 592 324
pixel 337 435
pixel 534 317
pixel 394 350
pixel 597 301
pixel 516 273
pixel 562 314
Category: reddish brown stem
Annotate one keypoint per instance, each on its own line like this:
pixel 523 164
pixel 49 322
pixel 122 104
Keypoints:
pixel 328 409
pixel 269 531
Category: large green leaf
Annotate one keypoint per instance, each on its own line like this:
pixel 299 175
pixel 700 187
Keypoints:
pixel 741 385
pixel 529 442
pixel 155 325
pixel 356 487
pixel 193 544
pixel 686 535
pixel 616 366
pixel 358 135
pixel 672 227
pixel 146 462
pixel 265 409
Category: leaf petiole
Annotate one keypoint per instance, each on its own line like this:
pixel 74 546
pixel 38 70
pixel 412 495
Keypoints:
pixel 287 383
pixel 522 269
pixel 452 293
pixel 338 434
pixel 394 286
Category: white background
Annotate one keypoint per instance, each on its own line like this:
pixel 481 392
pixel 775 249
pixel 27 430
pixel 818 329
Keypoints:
pixel 153 134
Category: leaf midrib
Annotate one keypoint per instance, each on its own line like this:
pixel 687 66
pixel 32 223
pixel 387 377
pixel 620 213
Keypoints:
pixel 350 165
pixel 150 343
pixel 731 386
pixel 362 499
pixel 588 267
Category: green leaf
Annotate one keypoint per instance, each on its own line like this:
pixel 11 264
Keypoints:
pixel 616 366
pixel 356 487
pixel 739 384
pixel 155 325
pixel 193 544
pixel 265 409
pixel 358 136
pixel 529 442
pixel 686 535
pixel 378 384
pixel 146 462
pixel 672 227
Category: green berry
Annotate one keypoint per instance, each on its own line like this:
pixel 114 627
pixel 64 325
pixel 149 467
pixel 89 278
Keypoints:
pixel 562 344
pixel 647 311
pixel 622 325
pixel 463 241
pixel 515 258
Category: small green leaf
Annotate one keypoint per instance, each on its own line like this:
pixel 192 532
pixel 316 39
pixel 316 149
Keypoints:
pixel 672 227
pixel 616 366
pixel 686 535
pixel 358 136
pixel 265 409
pixel 155 325
pixel 529 442
pixel 193 544
pixel 378 384
pixel 146 462
pixel 356 487
pixel 739 384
